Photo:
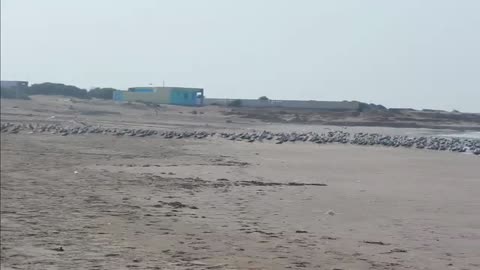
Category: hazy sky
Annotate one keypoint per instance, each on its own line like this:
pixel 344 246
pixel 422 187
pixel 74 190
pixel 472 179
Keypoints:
pixel 408 53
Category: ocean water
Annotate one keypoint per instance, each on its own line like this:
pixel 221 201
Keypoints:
pixel 469 134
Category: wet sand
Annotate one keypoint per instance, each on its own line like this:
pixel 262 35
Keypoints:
pixel 106 202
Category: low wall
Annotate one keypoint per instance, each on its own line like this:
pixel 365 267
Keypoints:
pixel 292 104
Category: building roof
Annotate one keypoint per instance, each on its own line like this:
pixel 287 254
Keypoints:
pixel 168 88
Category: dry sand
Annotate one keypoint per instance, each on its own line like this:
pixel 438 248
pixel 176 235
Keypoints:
pixel 105 202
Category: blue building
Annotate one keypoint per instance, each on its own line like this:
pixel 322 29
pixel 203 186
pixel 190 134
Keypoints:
pixel 162 95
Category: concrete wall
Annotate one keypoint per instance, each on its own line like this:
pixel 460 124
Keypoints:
pixel 162 97
pixel 291 104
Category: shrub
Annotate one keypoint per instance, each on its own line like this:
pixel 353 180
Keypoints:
pixel 57 89
pixel 365 107
pixel 263 98
pixel 235 103
pixel 102 93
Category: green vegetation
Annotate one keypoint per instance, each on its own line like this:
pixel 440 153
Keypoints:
pixel 365 107
pixel 57 89
pixel 263 98
pixel 102 93
pixel 235 103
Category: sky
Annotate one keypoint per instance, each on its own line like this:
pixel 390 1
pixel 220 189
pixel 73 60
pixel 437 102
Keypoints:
pixel 409 53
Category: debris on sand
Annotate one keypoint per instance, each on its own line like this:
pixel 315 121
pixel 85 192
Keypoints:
pixel 328 238
pixel 306 184
pixel 262 184
pixel 198 183
pixel 376 243
pixel 175 205
pixel 112 255
pixel 396 250
pixel 301 264
pixel 59 249
pixel 271 234
pixel 330 212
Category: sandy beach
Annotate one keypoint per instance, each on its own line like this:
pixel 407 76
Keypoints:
pixel 104 202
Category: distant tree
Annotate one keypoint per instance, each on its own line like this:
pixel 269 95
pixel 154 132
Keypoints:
pixel 263 98
pixel 57 89
pixel 102 93
pixel 455 111
pixel 365 107
pixel 380 107
pixel 235 103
